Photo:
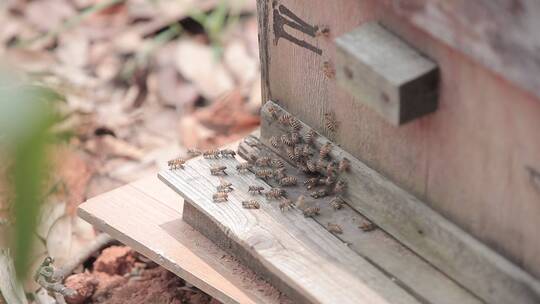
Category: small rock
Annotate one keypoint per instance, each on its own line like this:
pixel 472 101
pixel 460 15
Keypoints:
pixel 115 260
pixel 84 284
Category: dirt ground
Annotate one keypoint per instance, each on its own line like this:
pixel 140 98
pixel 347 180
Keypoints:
pixel 143 81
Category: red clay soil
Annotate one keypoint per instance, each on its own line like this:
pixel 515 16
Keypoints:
pixel 120 275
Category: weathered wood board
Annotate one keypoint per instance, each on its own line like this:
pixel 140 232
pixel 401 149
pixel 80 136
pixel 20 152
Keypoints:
pixel 447 247
pixel 147 216
pixel 476 160
pixel 407 269
pixel 383 71
pixel 293 251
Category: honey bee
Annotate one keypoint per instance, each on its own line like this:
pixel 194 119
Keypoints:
pixel 311 211
pixel 177 163
pixel 295 137
pixel 251 204
pixel 340 187
pixel 275 193
pixel 301 202
pixel 295 124
pixel 263 161
pixel 279 173
pixel 335 228
pixel 218 170
pixel 307 151
pixel 323 31
pixel 330 168
pixel 224 186
pixel 264 173
pixel 311 182
pixel 319 193
pixel 288 181
pixel 344 165
pixel 304 168
pixel 243 167
pixel 220 197
pixel 329 180
pixel 330 122
pixel 286 140
pixel 285 204
pixel 290 154
pixel 337 203
pixel 321 164
pixel 310 136
pixel 273 112
pixel 194 152
pixel 367 227
pixel 213 153
pixel 298 152
pixel 277 163
pixel 284 119
pixel 311 166
pixel 325 150
pixel 228 153
pixel 255 189
pixel 329 70
pixel 275 142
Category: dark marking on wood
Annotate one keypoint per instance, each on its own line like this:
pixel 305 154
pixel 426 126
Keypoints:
pixel 534 177
pixel 282 17
pixel 263 12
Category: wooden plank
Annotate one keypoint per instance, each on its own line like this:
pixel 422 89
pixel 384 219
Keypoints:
pixel 500 35
pixel 146 215
pixel 407 269
pixel 383 72
pixel 474 160
pixel 317 266
pixel 413 223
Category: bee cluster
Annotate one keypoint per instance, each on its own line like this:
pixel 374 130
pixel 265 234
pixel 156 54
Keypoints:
pixel 316 161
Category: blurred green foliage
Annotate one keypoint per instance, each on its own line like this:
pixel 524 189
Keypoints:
pixel 27 116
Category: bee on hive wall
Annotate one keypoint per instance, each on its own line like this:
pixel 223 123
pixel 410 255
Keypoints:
pixel 295 124
pixel 273 112
pixel 309 137
pixel 330 122
pixel 344 165
pixel 275 142
pixel 286 140
pixel 284 119
pixel 325 150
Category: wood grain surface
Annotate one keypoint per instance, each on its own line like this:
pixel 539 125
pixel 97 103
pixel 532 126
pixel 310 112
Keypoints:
pixel 476 160
pixel 147 216
pixel 484 272
pixel 304 255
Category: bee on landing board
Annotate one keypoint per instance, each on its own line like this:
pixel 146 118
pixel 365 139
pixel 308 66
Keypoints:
pixel 275 193
pixel 251 204
pixel 177 163
pixel 325 150
pixel 218 170
pixel 337 203
pixel 288 181
pixel 344 165
pixel 227 153
pixel 224 186
pixel 194 152
pixel 335 228
pixel 255 189
pixel 275 142
pixel 311 211
pixel 285 204
pixel 243 167
pixel 220 197
pixel 310 136
pixel 273 112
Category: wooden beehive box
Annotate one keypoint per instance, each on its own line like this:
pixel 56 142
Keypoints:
pixel 437 104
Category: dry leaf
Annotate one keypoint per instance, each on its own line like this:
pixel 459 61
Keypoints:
pixel 197 63
pixel 244 68
pixel 68 236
